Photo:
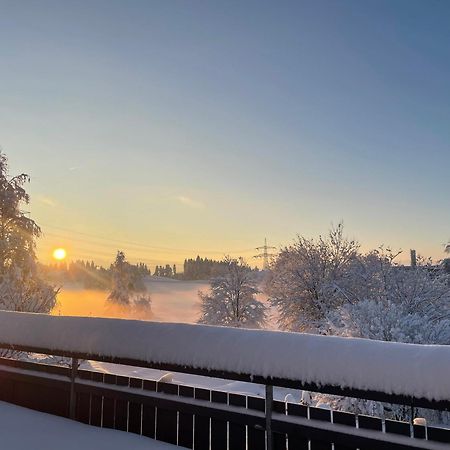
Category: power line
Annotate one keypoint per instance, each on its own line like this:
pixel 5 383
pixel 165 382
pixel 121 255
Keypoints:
pixel 92 242
pixel 265 255
pixel 87 249
pixel 137 244
pixel 89 255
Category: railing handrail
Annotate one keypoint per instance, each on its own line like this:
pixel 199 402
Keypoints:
pixel 278 382
pixel 12 323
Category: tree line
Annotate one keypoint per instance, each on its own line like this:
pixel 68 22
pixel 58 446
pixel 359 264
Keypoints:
pixel 88 273
pixel 95 276
pixel 204 269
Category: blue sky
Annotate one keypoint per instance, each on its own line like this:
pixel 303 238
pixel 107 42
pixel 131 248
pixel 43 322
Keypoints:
pixel 210 125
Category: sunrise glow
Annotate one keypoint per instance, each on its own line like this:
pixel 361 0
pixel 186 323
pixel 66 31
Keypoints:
pixel 59 254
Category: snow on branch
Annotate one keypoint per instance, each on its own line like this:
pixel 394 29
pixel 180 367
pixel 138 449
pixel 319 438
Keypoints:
pixel 392 368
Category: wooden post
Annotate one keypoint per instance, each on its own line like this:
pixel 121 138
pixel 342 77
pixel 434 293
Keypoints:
pixel 269 408
pixel 73 396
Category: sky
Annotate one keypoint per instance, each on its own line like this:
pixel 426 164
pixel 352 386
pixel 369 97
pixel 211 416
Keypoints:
pixel 171 128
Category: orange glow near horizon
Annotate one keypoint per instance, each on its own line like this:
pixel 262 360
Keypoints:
pixel 59 254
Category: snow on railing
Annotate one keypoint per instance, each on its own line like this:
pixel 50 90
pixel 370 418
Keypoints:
pixel 411 370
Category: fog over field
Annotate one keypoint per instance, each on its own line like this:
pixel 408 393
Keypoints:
pixel 172 301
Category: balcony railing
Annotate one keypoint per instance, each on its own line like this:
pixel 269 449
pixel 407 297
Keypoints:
pixel 189 416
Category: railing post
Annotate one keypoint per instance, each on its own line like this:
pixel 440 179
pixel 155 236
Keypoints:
pixel 73 397
pixel 269 408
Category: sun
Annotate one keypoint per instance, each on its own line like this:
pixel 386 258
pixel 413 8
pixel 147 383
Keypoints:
pixel 59 254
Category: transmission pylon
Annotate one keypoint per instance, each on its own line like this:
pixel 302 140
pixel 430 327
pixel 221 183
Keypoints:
pixel 265 255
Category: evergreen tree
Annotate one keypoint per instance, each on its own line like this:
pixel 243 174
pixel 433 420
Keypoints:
pixel 121 289
pixel 202 268
pixel 128 287
pixel 21 289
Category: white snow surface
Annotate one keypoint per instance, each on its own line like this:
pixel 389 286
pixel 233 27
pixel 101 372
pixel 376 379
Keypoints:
pixel 217 384
pixel 24 429
pixel 407 369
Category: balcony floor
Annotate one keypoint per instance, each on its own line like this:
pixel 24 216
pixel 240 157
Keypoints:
pixel 25 429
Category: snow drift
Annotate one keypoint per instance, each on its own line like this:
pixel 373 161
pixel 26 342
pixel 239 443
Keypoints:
pixel 392 368
pixel 48 432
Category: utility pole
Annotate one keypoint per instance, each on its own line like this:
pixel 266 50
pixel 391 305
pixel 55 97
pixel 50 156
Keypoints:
pixel 265 255
pixel 413 258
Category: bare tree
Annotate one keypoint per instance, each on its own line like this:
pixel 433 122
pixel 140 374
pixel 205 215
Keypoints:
pixel 306 278
pixel 232 300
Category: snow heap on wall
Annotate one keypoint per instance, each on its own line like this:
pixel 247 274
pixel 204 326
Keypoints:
pixel 393 368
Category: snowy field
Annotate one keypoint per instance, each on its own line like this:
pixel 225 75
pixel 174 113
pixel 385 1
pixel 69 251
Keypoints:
pixel 47 432
pixel 172 301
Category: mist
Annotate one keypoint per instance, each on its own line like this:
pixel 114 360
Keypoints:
pixel 172 301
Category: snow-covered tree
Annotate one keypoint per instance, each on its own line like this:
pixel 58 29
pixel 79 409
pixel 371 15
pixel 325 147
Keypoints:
pixel 128 287
pixel 390 302
pixel 21 289
pixel 305 279
pixel 232 300
pixel 120 280
pixel 447 247
pixel 26 294
pixel 401 304
pixel 328 286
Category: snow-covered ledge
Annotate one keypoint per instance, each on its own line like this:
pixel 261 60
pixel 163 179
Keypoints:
pixel 420 371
